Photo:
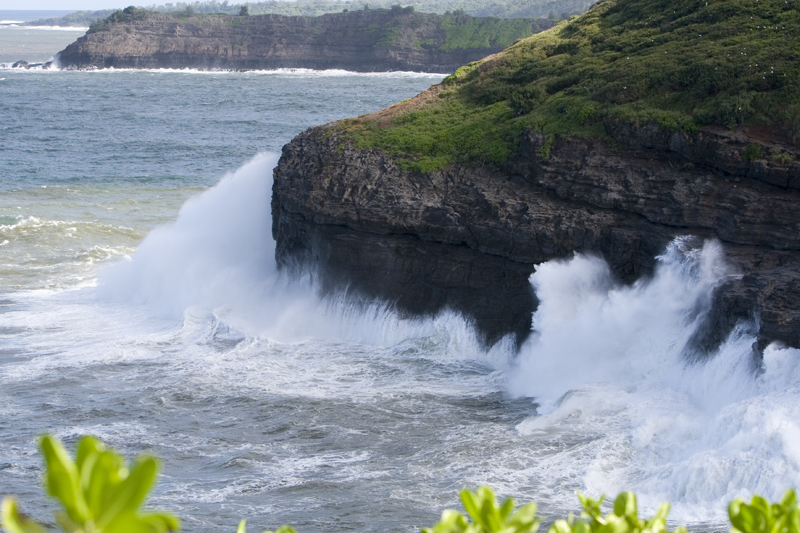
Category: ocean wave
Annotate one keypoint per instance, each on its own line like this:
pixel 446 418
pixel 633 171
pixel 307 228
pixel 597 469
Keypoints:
pixel 292 72
pixel 46 28
pixel 616 363
pixel 48 65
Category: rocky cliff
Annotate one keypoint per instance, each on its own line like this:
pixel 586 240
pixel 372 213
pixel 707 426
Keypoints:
pixel 399 205
pixel 364 41
pixel 468 236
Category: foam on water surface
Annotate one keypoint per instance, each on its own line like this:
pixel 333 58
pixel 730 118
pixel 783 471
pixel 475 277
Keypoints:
pixel 613 362
pixel 269 403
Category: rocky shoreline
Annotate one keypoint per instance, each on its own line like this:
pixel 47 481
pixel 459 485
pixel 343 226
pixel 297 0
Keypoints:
pixel 467 237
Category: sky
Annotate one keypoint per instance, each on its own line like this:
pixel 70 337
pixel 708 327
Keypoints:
pixel 74 5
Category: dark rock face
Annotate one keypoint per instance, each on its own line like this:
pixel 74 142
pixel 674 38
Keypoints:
pixel 363 41
pixel 467 237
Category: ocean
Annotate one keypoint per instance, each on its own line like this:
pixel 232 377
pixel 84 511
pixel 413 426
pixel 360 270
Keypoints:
pixel 140 302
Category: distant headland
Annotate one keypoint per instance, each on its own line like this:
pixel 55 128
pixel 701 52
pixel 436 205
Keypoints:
pixel 378 40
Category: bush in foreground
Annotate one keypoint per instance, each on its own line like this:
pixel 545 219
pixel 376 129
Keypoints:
pixel 100 493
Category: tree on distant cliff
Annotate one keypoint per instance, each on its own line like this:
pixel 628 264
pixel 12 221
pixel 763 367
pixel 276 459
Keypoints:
pixel 245 11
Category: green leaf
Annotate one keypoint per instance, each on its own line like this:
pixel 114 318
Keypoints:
pixel 591 508
pixel 126 497
pixel 746 518
pixel 581 527
pixel 14 522
pixel 471 504
pixel 241 528
pixel 524 520
pixel 88 447
pixel 761 504
pixel 625 505
pixel 63 481
pixel 162 521
pixel 789 499
pixel 489 516
pixel 506 508
pixel 101 474
pixel 129 523
pixel 560 526
pixel 792 520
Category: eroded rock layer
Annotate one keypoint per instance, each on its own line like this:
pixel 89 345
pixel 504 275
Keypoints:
pixel 468 236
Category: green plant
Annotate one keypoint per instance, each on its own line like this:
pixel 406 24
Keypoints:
pixel 682 65
pixel 487 516
pixel 282 529
pixel 753 152
pixel 623 519
pixel 544 151
pixel 762 517
pixel 98 491
pixel 777 156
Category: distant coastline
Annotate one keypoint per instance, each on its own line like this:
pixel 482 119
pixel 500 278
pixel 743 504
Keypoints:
pixel 379 40
pixel 29 15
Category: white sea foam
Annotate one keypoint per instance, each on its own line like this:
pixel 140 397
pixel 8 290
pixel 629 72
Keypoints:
pixel 282 72
pixel 611 361
pixel 218 257
pixel 607 364
pixel 620 405
pixel 52 28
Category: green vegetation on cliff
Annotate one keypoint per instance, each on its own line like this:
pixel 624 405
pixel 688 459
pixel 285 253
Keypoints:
pixel 681 64
pixel 464 32
pixel 79 19
pixel 129 14
pixel 314 8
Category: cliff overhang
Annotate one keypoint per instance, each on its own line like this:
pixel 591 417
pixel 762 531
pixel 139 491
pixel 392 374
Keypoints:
pixel 467 236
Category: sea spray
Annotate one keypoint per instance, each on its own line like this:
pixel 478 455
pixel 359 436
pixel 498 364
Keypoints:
pixel 217 260
pixel 588 330
pixel 611 364
pixel 620 405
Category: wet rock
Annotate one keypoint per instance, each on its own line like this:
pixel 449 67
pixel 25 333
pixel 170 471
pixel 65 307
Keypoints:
pixel 468 236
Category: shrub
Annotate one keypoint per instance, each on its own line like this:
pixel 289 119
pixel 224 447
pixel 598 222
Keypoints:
pixel 487 516
pixel 762 517
pixel 681 64
pixel 129 14
pixel 100 493
pixel 753 152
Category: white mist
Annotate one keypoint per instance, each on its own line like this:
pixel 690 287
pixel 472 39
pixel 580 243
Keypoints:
pixel 610 363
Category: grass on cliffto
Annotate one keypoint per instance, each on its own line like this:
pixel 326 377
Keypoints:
pixel 682 64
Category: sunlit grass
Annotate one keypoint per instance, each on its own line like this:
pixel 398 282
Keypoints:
pixel 681 64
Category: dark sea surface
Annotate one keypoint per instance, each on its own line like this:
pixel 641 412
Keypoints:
pixel 140 302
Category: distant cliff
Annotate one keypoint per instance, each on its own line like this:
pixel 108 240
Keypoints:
pixel 364 41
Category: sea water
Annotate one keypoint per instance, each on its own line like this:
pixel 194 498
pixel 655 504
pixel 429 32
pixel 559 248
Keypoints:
pixel 140 302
